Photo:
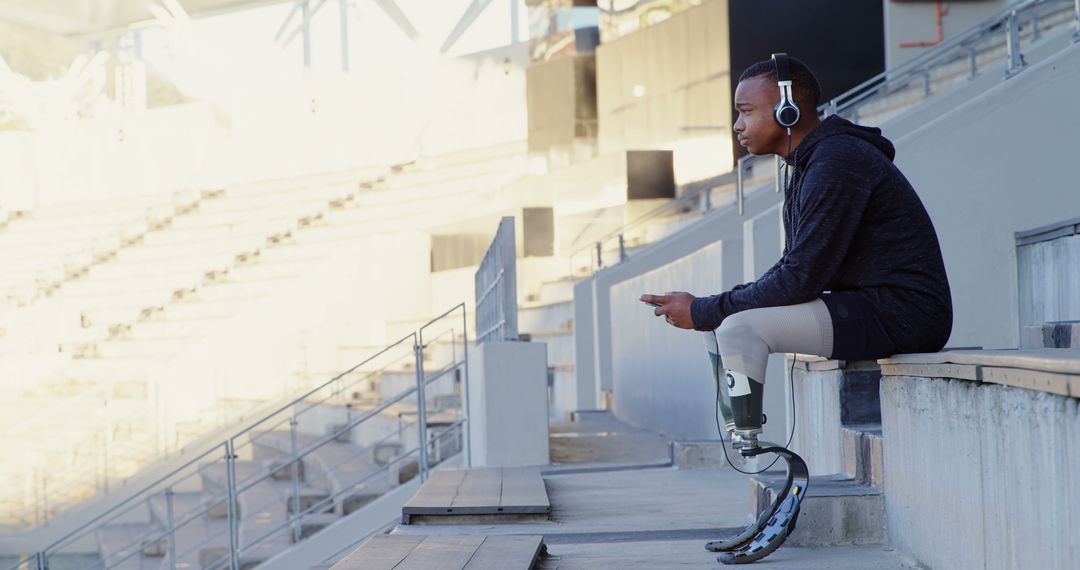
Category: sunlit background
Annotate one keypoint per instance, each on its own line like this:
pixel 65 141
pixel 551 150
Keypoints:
pixel 210 205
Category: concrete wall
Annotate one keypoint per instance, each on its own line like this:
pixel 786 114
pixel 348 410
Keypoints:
pixel 983 175
pixel 653 84
pixel 661 376
pixel 612 327
pixel 981 476
pixel 1049 280
pixel 917 22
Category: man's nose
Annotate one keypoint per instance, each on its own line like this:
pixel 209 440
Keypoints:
pixel 739 125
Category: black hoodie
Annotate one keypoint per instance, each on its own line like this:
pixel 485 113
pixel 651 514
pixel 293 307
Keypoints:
pixel 852 223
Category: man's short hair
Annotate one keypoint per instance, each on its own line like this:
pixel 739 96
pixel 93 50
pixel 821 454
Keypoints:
pixel 804 84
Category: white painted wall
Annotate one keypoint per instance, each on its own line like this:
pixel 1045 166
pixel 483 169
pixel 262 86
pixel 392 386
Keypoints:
pixel 995 165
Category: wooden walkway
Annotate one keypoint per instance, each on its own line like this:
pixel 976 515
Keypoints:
pixel 468 552
pixel 451 495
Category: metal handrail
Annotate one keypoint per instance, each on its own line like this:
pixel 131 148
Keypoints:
pixel 329 438
pixel 232 443
pixel 675 205
pixel 907 69
pixel 300 399
pixel 59 543
pixel 322 504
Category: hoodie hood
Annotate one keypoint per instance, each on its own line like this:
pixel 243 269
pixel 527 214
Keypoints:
pixel 835 125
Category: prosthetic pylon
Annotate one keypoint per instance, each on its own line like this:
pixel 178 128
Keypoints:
pixel 741 405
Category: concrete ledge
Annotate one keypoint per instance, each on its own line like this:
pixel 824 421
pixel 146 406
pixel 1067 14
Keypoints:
pixel 589 415
pixel 836 510
pixel 1065 334
pixel 699 454
pixel 1049 232
pixel 1053 370
pixel 981 473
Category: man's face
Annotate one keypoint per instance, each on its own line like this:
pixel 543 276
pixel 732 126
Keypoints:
pixel 755 126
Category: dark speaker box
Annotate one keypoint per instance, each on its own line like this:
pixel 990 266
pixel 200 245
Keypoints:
pixel 650 174
pixel 539 230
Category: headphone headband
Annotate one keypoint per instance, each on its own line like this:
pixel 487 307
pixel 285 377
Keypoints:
pixel 783 70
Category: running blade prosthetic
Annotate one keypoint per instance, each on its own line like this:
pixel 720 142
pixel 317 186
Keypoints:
pixel 775 523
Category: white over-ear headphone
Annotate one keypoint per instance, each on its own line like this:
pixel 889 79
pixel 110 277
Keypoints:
pixel 787 111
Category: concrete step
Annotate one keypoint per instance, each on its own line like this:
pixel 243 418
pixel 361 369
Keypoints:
pixel 183 504
pixel 864 455
pixel 118 543
pixel 835 511
pixel 347 471
pixel 197 544
pixel 265 504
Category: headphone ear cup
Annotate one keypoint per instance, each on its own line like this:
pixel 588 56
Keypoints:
pixel 787 115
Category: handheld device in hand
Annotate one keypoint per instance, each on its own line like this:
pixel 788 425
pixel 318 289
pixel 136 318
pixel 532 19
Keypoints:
pixel 653 304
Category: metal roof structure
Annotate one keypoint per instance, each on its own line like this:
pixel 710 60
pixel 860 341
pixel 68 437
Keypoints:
pixel 93 17
pixel 82 18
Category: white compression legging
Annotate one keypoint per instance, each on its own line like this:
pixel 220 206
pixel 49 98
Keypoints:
pixel 746 339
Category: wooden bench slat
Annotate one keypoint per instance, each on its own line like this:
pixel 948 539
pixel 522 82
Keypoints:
pixel 442 553
pixel 455 552
pixel 506 553
pixel 380 552
pixel 481 488
pixel 523 488
pixel 439 490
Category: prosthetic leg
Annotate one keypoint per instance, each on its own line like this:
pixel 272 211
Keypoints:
pixel 740 402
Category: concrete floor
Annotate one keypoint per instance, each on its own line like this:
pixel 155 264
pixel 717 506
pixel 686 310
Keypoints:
pixel 609 514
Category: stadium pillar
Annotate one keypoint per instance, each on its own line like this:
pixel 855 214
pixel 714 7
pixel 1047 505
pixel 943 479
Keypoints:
pixel 343 13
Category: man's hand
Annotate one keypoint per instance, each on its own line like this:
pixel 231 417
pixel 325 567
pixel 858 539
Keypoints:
pixel 674 307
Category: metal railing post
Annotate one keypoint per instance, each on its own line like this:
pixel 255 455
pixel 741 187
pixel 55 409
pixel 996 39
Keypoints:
pixel 231 505
pixel 170 521
pixel 1015 61
pixel 740 165
pixel 708 199
pixel 40 561
pixel 778 166
pixel 421 410
pixel 926 82
pixel 599 255
pixel 972 52
pixel 465 385
pixel 1035 35
pixel 622 248
pixel 294 457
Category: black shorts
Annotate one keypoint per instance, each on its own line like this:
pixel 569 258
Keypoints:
pixel 858 333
